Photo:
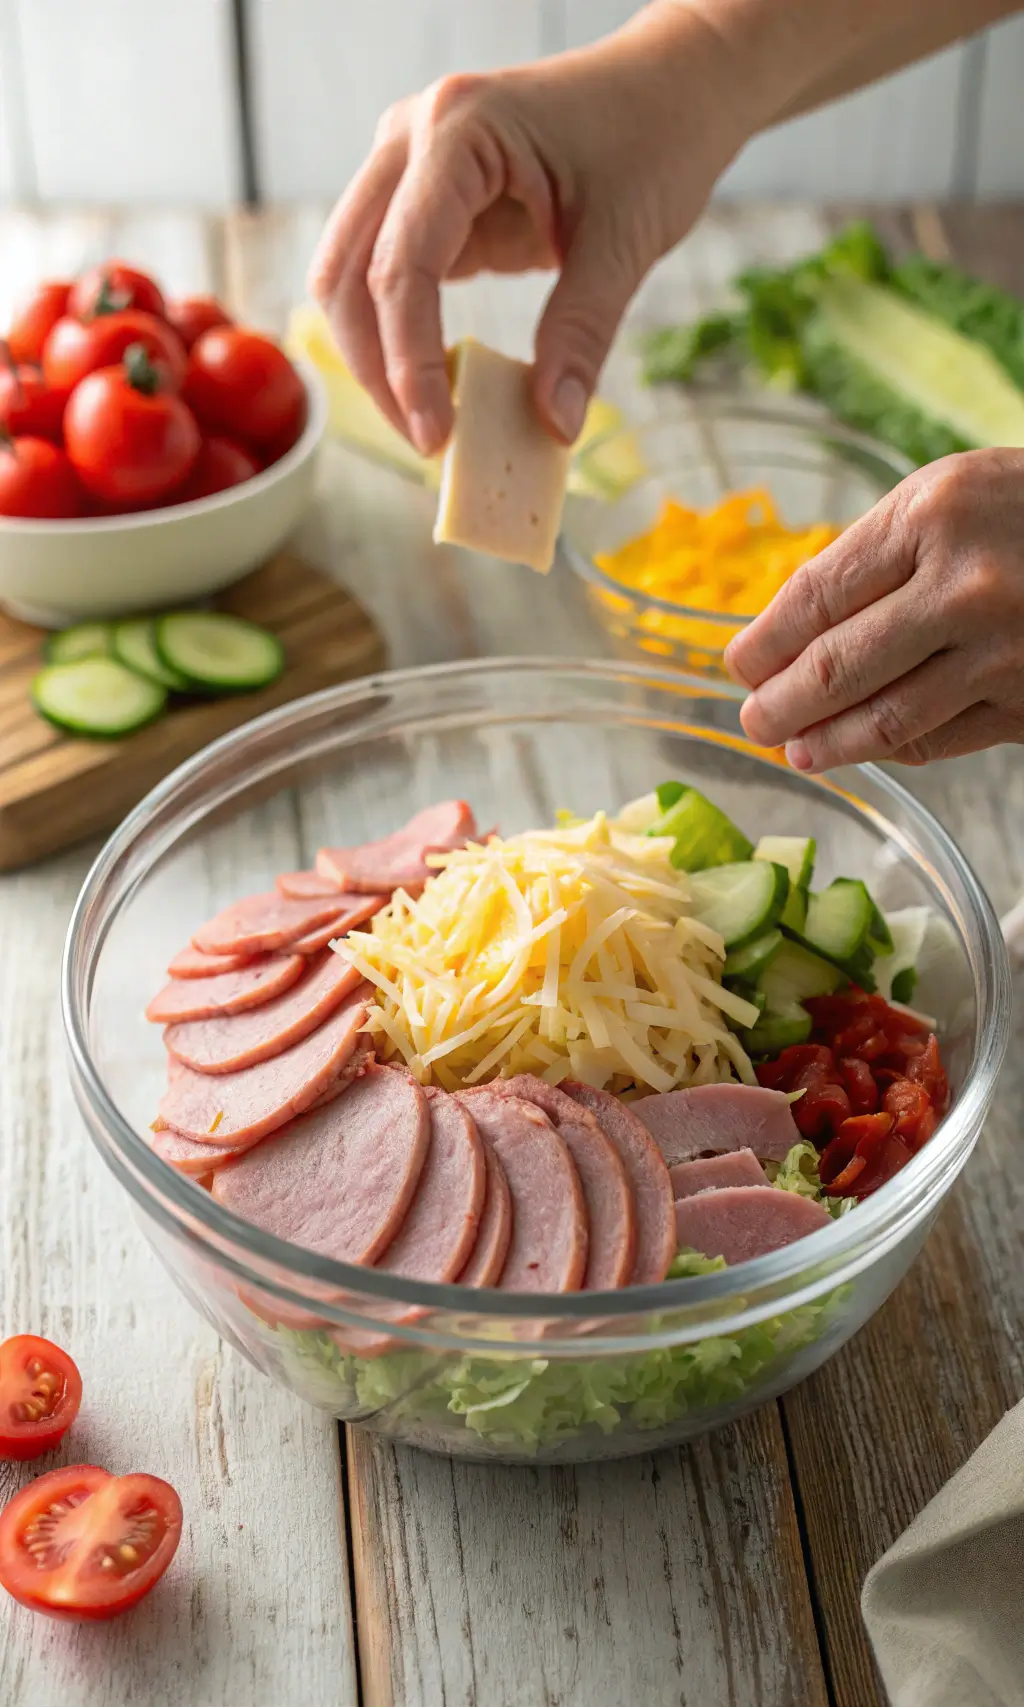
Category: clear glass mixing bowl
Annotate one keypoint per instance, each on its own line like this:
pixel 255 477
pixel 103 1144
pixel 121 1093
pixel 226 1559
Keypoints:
pixel 494 1375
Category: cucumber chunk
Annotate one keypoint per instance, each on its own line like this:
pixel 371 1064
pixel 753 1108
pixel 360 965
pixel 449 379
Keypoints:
pixel 747 963
pixel 96 696
pixel 839 922
pixel 775 1031
pixel 903 985
pixel 740 900
pixel 703 835
pixel 134 646
pixel 796 853
pixel 218 653
pixel 85 640
pixel 794 913
pixel 794 974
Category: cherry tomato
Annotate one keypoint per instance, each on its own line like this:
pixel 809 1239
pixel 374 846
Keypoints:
pixel 191 316
pixel 221 463
pixel 243 384
pixel 28 406
pixel 40 1392
pixel 81 1544
pixel 284 442
pixel 111 287
pixel 37 480
pixel 131 440
pixel 74 350
pixel 35 319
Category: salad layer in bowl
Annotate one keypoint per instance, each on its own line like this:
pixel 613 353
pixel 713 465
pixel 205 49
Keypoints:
pixel 511 1058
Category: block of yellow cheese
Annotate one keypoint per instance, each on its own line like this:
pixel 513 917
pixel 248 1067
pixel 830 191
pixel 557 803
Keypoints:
pixel 503 478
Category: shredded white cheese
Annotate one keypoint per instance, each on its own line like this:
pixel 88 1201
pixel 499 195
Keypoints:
pixel 568 953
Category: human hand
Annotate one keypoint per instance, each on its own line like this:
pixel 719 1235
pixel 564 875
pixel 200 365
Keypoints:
pixel 904 639
pixel 596 162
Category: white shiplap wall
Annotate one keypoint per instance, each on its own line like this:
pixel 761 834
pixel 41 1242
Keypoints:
pixel 137 100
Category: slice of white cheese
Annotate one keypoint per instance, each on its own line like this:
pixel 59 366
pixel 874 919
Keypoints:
pixel 503 478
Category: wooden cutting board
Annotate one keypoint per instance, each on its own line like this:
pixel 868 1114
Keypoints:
pixel 56 789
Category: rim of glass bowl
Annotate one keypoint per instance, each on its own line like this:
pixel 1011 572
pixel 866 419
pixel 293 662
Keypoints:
pixel 719 408
pixel 781 1280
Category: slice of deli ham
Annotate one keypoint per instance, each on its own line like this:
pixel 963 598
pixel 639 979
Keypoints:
pixel 611 1217
pixel 440 1230
pixel 741 1222
pixel 237 1109
pixel 398 861
pixel 190 963
pixel 711 1173
pixel 231 1042
pixel 341 1180
pixel 711 1119
pixel 647 1174
pixel 306 885
pixel 495 1231
pixel 548 1248
pixel 261 923
pixel 363 908
pixel 226 992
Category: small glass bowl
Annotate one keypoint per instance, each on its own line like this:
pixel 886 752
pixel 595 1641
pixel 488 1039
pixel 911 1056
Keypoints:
pixel 815 470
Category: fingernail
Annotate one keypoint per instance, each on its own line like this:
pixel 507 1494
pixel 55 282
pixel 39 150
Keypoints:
pixel 798 754
pixel 426 431
pixel 569 406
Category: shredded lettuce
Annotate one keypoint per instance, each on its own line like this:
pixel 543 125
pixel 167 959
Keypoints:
pixel 799 1173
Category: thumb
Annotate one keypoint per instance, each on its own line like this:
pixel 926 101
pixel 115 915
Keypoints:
pixel 580 319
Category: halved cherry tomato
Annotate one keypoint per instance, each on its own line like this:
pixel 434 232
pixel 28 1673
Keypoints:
pixel 191 316
pixel 81 1544
pixel 40 1392
pixel 27 405
pixel 74 350
pixel 35 319
pixel 221 463
pixel 38 481
pixel 243 384
pixel 112 287
pixel 130 439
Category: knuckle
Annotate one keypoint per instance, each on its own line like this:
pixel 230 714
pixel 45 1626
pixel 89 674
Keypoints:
pixel 386 276
pixel 887 723
pixel 983 587
pixel 944 493
pixel 393 122
pixel 833 671
pixel 810 601
pixel 454 93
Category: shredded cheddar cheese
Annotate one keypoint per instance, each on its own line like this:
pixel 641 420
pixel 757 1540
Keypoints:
pixel 731 560
pixel 569 952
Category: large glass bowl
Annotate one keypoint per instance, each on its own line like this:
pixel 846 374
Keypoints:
pixel 493 1375
pixel 816 471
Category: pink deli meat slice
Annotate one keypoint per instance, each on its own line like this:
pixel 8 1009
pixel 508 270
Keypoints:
pixel 741 1222
pixel 398 861
pixel 189 963
pixel 261 923
pixel 306 885
pixel 647 1175
pixel 495 1231
pixel 548 1248
pixel 711 1173
pixel 234 1041
pixel 611 1216
pixel 237 1109
pixel 711 1119
pixel 341 1180
pixel 363 907
pixel 226 992
pixel 435 1239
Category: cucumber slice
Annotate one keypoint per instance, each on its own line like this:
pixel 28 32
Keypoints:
pixel 96 696
pixel 703 835
pixel 218 653
pixel 794 913
pixel 794 974
pixel 903 985
pixel 775 1031
pixel 878 930
pixel 907 931
pixel 135 647
pixel 839 921
pixel 746 993
pixel 747 963
pixel 796 853
pixel 85 640
pixel 740 900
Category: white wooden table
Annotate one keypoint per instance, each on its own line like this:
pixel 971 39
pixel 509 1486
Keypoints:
pixel 320 1572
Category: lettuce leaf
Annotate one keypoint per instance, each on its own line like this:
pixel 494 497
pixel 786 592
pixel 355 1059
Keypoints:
pixel 799 1173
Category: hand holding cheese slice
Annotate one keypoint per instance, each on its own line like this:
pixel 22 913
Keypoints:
pixel 503 478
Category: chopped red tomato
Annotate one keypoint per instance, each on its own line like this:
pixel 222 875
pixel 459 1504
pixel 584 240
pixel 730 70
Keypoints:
pixel 81 1544
pixel 926 1069
pixel 822 1110
pixel 859 1084
pixel 849 1161
pixel 40 1392
pixel 908 1103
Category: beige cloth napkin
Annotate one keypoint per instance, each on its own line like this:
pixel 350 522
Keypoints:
pixel 945 1606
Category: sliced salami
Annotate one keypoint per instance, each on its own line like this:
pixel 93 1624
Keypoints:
pixel 711 1173
pixel 306 885
pixel 548 1248
pixel 226 992
pixel 262 923
pixel 340 1182
pixel 363 907
pixel 237 1109
pixel 495 1231
pixel 231 1042
pixel 398 861
pixel 647 1174
pixel 190 963
pixel 741 1222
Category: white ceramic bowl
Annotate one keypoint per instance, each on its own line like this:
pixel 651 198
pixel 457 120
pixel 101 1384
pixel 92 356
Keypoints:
pixel 54 573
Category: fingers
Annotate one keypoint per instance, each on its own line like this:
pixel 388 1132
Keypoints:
pixel 900 717
pixel 871 559
pixel 975 730
pixel 576 329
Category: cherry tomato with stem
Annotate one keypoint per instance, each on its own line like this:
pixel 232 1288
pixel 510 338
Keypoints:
pixel 191 316
pixel 37 481
pixel 74 350
pixel 40 1392
pixel 221 463
pixel 28 407
pixel 35 319
pixel 112 287
pixel 82 1545
pixel 131 440
pixel 243 384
